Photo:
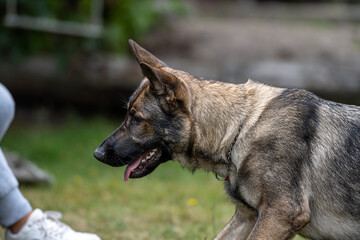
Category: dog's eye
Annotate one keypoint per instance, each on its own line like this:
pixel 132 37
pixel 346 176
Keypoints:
pixel 132 112
pixel 136 119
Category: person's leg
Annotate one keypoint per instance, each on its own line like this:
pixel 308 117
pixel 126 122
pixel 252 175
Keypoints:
pixel 7 110
pixel 13 206
pixel 15 211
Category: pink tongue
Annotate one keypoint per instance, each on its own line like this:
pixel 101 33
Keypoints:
pixel 129 169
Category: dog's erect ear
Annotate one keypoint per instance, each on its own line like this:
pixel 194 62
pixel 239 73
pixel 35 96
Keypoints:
pixel 170 91
pixel 143 56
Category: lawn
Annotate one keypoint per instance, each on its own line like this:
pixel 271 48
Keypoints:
pixel 171 203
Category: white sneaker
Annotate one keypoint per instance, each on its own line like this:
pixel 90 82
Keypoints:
pixel 46 226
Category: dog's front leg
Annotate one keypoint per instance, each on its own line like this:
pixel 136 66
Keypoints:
pixel 278 224
pixel 240 225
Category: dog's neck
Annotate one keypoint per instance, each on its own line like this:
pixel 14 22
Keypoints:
pixel 219 111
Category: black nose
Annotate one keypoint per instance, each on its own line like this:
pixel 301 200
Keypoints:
pixel 99 155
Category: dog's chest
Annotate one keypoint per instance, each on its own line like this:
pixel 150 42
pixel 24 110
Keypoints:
pixel 242 191
pixel 242 185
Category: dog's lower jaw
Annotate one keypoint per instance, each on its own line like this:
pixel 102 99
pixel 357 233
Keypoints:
pixel 143 165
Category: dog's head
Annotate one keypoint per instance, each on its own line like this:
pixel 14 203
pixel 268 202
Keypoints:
pixel 157 120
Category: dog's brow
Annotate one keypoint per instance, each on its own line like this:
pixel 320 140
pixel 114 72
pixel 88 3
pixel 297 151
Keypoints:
pixel 135 95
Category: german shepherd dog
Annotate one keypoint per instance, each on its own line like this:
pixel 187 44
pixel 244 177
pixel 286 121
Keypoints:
pixel 289 159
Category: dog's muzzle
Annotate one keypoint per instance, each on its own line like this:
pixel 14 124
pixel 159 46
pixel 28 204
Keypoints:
pixel 99 155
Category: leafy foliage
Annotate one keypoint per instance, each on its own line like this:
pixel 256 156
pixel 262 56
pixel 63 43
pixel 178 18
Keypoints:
pixel 122 20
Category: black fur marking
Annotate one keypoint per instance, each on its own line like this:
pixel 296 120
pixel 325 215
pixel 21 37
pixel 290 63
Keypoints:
pixel 190 148
pixel 347 189
pixel 281 146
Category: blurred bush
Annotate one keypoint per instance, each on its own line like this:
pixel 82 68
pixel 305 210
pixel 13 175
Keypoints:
pixel 122 19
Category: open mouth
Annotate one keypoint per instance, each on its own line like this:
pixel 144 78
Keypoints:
pixel 143 165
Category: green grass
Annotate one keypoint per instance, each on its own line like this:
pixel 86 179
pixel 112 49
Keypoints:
pixel 93 196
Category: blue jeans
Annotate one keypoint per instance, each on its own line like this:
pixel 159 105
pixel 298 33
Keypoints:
pixel 13 205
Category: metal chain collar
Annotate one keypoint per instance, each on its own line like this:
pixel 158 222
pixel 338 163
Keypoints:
pixel 228 155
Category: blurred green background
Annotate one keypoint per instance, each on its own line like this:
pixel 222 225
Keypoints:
pixel 121 19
